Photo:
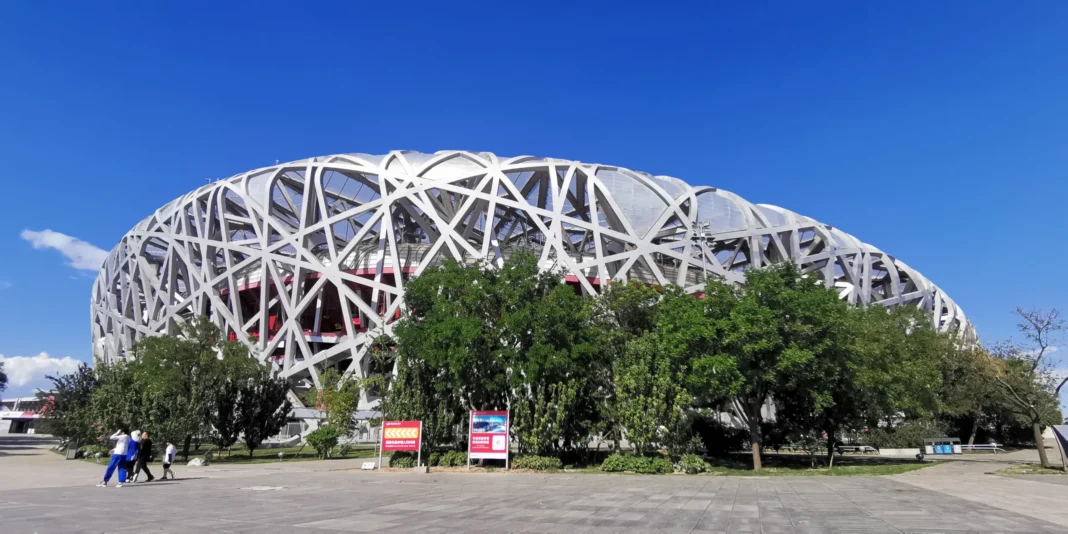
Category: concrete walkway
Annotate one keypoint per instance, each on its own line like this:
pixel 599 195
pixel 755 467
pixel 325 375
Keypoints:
pixel 40 491
pixel 974 481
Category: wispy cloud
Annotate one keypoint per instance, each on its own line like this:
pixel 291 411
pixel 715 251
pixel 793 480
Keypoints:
pixel 83 256
pixel 4 284
pixel 22 370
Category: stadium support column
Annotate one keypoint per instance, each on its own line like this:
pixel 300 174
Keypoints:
pixel 317 327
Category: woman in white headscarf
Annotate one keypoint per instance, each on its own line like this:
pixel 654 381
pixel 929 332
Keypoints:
pixel 131 452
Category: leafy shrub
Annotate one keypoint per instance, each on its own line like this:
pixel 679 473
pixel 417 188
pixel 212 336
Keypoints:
pixel 344 449
pixel 453 459
pixel 324 438
pixel 906 436
pixel 434 460
pixel 693 464
pixel 619 463
pixel 401 459
pixel 660 465
pixel 537 463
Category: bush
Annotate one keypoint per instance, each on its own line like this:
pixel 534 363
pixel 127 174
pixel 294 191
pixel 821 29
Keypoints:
pixel 434 460
pixel 401 459
pixel 537 463
pixel 660 465
pixel 344 450
pixel 693 464
pixel 620 463
pixel 324 438
pixel 453 459
pixel 908 435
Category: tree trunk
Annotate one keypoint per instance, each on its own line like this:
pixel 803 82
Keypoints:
pixel 755 438
pixel 1040 444
pixel 250 453
pixel 185 450
pixel 975 428
pixel 830 451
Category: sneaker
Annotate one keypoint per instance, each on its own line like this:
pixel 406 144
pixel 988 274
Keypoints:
pixel 119 485
pixel 102 485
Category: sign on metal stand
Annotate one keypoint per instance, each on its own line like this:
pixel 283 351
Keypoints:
pixel 487 436
pixel 402 436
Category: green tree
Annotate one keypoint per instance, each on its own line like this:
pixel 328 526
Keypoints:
pixel 117 401
pixel 224 416
pixel 177 379
pixel 623 312
pixel 479 337
pixel 324 439
pixel 338 398
pixel 771 335
pixel 69 414
pixel 968 389
pixel 877 365
pixel 651 394
pixel 263 408
pixel 423 393
pixel 3 378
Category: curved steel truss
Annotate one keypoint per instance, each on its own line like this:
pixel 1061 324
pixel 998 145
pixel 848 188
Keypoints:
pixel 306 261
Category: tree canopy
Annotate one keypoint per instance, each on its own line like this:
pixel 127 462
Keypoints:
pixel 781 354
pixel 178 387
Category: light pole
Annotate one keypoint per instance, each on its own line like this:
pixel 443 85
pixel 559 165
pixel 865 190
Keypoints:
pixel 701 234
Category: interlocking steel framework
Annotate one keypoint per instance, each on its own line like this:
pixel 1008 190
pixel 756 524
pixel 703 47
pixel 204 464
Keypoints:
pixel 306 261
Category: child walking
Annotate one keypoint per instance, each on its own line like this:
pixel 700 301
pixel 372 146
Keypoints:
pixel 168 459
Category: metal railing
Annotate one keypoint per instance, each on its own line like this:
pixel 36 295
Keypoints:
pixel 992 447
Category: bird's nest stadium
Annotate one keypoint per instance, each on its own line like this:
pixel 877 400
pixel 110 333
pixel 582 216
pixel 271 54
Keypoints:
pixel 307 261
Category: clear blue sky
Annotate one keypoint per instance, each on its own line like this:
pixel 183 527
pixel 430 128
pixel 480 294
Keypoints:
pixel 936 131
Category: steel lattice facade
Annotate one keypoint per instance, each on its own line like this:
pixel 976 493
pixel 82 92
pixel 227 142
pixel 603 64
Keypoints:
pixel 306 261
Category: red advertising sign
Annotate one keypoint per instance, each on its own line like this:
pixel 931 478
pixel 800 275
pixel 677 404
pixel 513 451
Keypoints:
pixel 488 436
pixel 401 435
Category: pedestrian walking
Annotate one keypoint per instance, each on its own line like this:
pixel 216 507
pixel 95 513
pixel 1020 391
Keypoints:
pixel 118 458
pixel 144 455
pixel 131 452
pixel 168 459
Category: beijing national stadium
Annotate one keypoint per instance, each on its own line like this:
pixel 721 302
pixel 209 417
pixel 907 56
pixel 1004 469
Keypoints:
pixel 306 261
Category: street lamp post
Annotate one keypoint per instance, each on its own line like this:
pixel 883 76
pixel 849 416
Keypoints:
pixel 701 234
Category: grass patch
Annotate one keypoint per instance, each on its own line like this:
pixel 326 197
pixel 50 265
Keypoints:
pixel 795 465
pixel 1029 469
pixel 873 470
pixel 800 465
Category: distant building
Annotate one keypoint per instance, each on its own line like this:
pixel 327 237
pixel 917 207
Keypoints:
pixel 18 415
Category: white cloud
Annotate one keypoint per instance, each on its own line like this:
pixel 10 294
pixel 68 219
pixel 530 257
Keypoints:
pixel 82 255
pixel 4 284
pixel 22 370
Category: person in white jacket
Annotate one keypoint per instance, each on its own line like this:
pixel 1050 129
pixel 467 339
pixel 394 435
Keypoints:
pixel 168 459
pixel 118 458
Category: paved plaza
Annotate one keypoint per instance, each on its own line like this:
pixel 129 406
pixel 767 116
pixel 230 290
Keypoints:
pixel 335 496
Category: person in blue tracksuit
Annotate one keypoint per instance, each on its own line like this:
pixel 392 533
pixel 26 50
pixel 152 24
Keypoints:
pixel 133 452
pixel 118 458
